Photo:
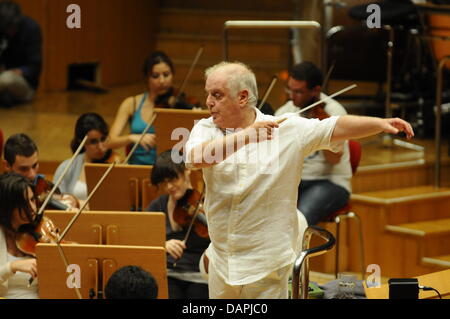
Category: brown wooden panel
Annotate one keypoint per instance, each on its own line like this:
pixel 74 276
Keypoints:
pixel 138 229
pixel 115 194
pixel 168 120
pixel 113 32
pixel 53 275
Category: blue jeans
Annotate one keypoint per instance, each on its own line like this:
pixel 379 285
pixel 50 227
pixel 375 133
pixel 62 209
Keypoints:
pixel 318 199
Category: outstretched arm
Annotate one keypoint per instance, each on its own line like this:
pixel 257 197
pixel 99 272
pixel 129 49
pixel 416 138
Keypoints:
pixel 354 127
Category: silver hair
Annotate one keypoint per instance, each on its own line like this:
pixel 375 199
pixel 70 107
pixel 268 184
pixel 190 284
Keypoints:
pixel 240 77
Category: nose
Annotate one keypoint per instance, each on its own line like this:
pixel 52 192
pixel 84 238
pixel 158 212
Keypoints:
pixel 102 145
pixel 32 174
pixel 169 186
pixel 209 102
pixel 161 79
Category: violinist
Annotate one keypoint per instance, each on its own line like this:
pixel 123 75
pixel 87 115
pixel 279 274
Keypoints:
pixel 184 278
pixel 136 110
pixel 22 157
pixel 94 151
pixel 326 177
pixel 17 207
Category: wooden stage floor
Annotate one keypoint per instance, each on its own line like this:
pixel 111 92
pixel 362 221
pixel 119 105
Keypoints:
pixel 51 117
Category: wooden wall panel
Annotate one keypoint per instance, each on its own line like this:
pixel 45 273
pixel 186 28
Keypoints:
pixel 116 33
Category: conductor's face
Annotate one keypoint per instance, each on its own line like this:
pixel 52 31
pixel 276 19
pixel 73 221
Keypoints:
pixel 223 106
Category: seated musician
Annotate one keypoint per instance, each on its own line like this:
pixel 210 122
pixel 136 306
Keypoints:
pixel 22 157
pixel 94 151
pixel 137 110
pixel 17 207
pixel 184 278
pixel 326 180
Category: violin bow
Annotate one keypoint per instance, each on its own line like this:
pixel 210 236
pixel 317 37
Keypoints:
pixel 328 75
pixel 197 209
pixel 272 83
pixel 111 166
pixel 80 210
pixel 39 214
pixel 319 102
pixel 188 75
pixel 140 139
pixel 63 174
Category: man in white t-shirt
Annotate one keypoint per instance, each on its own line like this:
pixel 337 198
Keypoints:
pixel 250 161
pixel 326 176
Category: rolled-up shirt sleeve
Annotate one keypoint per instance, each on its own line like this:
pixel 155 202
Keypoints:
pixel 316 134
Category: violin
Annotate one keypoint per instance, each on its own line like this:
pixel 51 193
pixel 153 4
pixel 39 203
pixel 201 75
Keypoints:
pixel 108 158
pixel 318 111
pixel 190 213
pixel 177 98
pixel 42 189
pixel 41 230
pixel 174 99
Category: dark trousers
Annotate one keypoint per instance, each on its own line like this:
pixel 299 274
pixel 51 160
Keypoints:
pixel 318 199
pixel 180 289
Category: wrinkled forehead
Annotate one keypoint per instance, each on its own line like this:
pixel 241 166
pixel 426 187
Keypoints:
pixel 217 80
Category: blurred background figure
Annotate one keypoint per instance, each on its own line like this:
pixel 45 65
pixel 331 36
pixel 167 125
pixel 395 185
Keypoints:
pixel 20 55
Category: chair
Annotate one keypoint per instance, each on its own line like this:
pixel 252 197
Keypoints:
pixel 346 211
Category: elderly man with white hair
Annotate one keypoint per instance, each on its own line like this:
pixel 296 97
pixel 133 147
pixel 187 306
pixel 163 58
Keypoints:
pixel 252 165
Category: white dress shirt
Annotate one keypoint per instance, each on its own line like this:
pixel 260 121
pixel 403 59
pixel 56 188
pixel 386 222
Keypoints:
pixel 316 166
pixel 251 197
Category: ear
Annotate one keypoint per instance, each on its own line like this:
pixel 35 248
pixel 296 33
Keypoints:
pixel 6 166
pixel 243 98
pixel 316 90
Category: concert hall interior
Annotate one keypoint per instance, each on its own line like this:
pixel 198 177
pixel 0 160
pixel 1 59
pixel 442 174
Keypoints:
pixel 396 221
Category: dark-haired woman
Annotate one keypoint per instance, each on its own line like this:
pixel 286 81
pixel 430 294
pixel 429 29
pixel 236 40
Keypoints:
pixel 17 207
pixel 136 111
pixel 183 258
pixel 94 151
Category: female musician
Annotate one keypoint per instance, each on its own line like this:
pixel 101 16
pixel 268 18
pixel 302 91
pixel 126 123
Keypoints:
pixel 17 207
pixel 94 151
pixel 185 280
pixel 136 110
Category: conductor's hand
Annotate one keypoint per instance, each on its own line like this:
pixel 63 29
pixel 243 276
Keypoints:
pixel 261 131
pixel 395 125
pixel 28 265
pixel 175 248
